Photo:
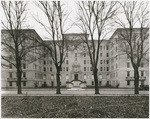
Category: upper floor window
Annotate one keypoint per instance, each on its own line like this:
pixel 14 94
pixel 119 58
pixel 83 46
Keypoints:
pixel 101 68
pixel 66 54
pixel 24 74
pixel 107 61
pixel 24 66
pixel 50 61
pixel 51 69
pixel 128 73
pixel 44 62
pixel 142 73
pixel 84 61
pixel 101 54
pixel 84 68
pixel 75 54
pixel 44 69
pixel 107 47
pixel 128 65
pixel 107 55
pixel 107 68
pixel 142 64
pixel 10 74
pixel 101 61
pixel 66 61
pixel 101 47
pixel 67 69
pixel 84 54
pixel 10 66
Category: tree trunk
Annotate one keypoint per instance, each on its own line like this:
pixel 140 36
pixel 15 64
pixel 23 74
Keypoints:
pixel 19 76
pixel 136 77
pixel 58 81
pixel 96 81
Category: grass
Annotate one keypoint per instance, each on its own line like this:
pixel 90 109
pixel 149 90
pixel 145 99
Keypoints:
pixel 75 107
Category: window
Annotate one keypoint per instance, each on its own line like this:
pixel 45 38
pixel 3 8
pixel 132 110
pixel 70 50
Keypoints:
pixel 91 69
pixel 66 61
pixel 24 74
pixel 24 83
pixel 10 83
pixel 101 54
pixel 107 47
pixel 128 83
pixel 67 69
pixel 16 83
pixel 128 65
pixel 142 64
pixel 107 68
pixel 101 68
pixel 101 61
pixel 84 54
pixel 128 73
pixel 50 61
pixel 92 83
pixel 44 62
pixel 24 66
pixel 142 73
pixel 128 57
pixel 101 47
pixel 10 66
pixel 75 54
pixel 107 55
pixel 10 74
pixel 51 69
pixel 84 68
pixel 87 68
pixel 84 61
pixel 100 83
pixel 107 61
pixel 44 69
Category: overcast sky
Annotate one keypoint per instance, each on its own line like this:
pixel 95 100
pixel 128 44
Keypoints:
pixel 70 6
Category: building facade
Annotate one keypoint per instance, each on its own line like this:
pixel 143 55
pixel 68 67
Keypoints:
pixel 114 70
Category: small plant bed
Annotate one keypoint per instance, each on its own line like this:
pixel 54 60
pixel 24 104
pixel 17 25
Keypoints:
pixel 75 107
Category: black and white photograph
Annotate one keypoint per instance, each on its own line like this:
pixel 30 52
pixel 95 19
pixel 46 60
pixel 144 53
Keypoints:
pixel 74 59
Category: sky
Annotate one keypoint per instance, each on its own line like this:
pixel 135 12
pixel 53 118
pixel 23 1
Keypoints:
pixel 70 6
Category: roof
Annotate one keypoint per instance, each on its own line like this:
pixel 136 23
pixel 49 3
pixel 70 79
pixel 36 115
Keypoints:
pixel 27 30
pixel 123 29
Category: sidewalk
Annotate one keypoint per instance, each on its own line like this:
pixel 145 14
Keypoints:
pixel 65 92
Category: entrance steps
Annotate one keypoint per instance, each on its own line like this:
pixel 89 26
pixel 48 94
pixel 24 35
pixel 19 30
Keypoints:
pixel 75 88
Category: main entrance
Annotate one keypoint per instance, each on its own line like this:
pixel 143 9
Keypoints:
pixel 76 77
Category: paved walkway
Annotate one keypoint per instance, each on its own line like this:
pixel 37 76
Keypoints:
pixel 75 92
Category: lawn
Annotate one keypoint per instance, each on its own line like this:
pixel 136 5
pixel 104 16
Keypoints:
pixel 75 107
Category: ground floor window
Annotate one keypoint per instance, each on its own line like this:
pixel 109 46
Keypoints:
pixel 100 83
pixel 92 83
pixel 142 83
pixel 24 83
pixel 10 83
pixel 128 83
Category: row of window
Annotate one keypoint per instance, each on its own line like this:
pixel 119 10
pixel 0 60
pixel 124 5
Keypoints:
pixel 11 74
pixel 11 83
pixel 129 72
pixel 128 64
pixel 23 66
pixel 129 82
pixel 103 61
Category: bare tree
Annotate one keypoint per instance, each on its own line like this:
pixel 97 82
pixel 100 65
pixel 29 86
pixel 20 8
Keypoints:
pixel 17 43
pixel 56 46
pixel 134 39
pixel 94 18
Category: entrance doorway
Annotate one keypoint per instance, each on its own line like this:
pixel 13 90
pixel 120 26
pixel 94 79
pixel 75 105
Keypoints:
pixel 75 76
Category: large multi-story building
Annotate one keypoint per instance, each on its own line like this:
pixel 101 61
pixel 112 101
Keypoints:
pixel 113 69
